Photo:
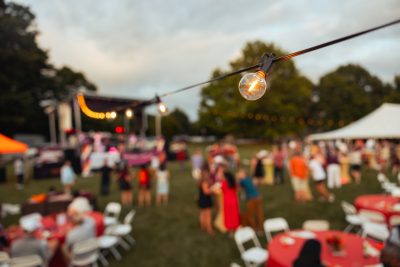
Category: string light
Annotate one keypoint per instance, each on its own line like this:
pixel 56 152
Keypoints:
pixel 129 113
pixel 162 108
pixel 113 115
pixel 252 86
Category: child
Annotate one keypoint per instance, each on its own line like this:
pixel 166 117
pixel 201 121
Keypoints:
pixel 144 186
pixel 254 214
pixel 162 185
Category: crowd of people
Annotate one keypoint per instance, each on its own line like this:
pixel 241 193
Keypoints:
pixel 329 164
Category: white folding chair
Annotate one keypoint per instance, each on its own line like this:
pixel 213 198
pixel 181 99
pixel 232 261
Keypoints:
pixel 4 258
pixel 351 216
pixel 85 253
pixel 26 261
pixel 37 217
pixel 111 213
pixel 372 216
pixel 108 243
pixel 316 225
pixel 382 178
pixel 275 225
pixel 395 192
pixel 394 220
pixel 234 264
pixel 375 230
pixel 253 256
pixel 123 231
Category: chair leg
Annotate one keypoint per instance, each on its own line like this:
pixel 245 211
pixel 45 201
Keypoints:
pixel 124 244
pixel 103 259
pixel 115 253
pixel 130 239
pixel 348 228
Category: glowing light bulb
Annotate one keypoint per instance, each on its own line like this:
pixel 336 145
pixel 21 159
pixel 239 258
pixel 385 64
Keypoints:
pixel 113 115
pixel 252 86
pixel 129 113
pixel 162 108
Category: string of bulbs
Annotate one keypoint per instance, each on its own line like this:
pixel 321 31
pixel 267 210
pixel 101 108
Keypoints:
pixel 252 86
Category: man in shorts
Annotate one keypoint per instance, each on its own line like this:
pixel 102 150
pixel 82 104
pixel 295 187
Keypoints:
pixel 299 177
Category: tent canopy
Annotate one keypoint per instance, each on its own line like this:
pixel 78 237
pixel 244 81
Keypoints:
pixel 10 146
pixel 382 123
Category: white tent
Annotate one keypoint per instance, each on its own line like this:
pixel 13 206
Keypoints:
pixel 382 123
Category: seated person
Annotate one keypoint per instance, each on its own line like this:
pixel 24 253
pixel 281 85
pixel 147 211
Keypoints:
pixel 390 255
pixel 310 255
pixel 83 228
pixel 30 244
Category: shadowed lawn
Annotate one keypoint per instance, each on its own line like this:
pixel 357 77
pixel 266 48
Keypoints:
pixel 170 236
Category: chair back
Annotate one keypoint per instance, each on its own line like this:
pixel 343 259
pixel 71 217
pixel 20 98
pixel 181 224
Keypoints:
pixel 26 261
pixel 375 230
pixel 348 208
pixel 243 235
pixel 372 216
pixel 316 225
pixel 275 225
pixel 396 192
pixel 4 258
pixel 394 220
pixel 129 217
pixel 113 209
pixel 382 178
pixel 84 247
pixel 36 217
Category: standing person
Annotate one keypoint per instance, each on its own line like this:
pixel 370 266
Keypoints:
pixel 205 201
pixel 319 176
pixel 254 213
pixel 279 164
pixel 355 160
pixel 344 168
pixel 257 167
pixel 299 177
pixel 19 169
pixel 105 178
pixel 333 169
pixel 162 185
pixel 197 163
pixel 230 202
pixel 144 186
pixel 125 185
pixel 68 177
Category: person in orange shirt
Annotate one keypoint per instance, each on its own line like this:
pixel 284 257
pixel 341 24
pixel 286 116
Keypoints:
pixel 299 176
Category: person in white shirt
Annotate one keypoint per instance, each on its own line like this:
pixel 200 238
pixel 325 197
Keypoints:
pixel 162 185
pixel 19 170
pixel 319 177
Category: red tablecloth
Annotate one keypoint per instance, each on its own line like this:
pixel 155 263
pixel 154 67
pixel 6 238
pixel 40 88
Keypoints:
pixel 381 203
pixel 282 255
pixel 55 231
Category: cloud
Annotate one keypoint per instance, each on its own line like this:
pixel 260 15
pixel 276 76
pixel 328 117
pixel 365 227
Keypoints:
pixel 138 48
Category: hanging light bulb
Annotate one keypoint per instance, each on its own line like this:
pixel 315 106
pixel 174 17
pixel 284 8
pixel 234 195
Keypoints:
pixel 252 86
pixel 162 108
pixel 113 115
pixel 129 113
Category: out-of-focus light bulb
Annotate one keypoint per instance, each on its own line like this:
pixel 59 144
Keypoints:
pixel 129 113
pixel 162 108
pixel 252 86
pixel 113 115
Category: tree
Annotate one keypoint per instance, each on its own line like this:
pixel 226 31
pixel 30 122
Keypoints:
pixel 26 76
pixel 278 113
pixel 347 94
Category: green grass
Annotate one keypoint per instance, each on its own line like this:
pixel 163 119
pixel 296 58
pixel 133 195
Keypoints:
pixel 170 236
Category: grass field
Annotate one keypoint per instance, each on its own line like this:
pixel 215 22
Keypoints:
pixel 170 236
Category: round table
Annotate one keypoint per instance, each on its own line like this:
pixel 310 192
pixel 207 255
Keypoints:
pixel 382 203
pixel 283 255
pixel 52 231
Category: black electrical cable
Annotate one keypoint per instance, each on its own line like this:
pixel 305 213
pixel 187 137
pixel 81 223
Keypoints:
pixel 278 59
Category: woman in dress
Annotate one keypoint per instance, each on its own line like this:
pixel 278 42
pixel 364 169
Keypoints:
pixel 230 202
pixel 205 202
pixel 125 185
pixel 144 177
pixel 162 185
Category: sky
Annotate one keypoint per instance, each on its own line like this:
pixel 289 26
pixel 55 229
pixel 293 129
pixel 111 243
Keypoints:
pixel 139 48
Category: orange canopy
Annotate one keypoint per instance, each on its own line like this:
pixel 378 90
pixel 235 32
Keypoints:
pixel 10 146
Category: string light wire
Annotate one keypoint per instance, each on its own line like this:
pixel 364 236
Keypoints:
pixel 257 66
